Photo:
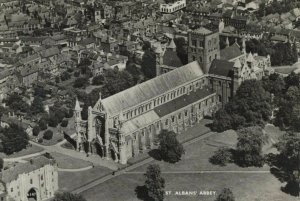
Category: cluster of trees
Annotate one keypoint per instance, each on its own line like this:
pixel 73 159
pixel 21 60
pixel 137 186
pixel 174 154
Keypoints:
pixel 277 7
pixel 286 103
pixel 114 81
pixel 250 106
pixel 286 100
pixel 248 150
pixel 13 139
pixel 281 53
pixel 57 115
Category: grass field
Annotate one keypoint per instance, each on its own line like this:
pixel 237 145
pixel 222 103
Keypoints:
pixel 246 187
pixel 67 162
pixel 68 181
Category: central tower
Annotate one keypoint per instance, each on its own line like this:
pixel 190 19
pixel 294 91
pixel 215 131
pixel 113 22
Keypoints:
pixel 203 46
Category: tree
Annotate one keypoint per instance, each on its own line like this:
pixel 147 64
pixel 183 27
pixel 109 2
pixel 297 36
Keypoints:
pixel 48 134
pixel 221 157
pixel 43 124
pixel 64 123
pixel 36 130
pixel 52 121
pixel 40 92
pixel 1 163
pixel 250 106
pixel 148 64
pixel 134 71
pixel 225 195
pixel 116 81
pixel 98 80
pixel 66 196
pixel 249 146
pixel 274 84
pixel 37 106
pixel 169 147
pixel 80 82
pixel 292 80
pixel 14 139
pixel 287 161
pixel 16 103
pixel 154 183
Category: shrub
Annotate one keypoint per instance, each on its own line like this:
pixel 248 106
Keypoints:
pixel 221 157
pixel 52 121
pixel 40 140
pixel 98 80
pixel 43 124
pixel 48 134
pixel 64 123
pixel 36 130
pixel 70 113
pixel 76 74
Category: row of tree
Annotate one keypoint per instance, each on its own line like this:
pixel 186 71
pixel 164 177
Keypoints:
pixel 281 53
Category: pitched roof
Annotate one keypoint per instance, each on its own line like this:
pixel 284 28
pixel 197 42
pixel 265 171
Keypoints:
pixel 50 52
pixel 221 67
pixel 202 30
pixel 230 52
pixel 12 173
pixel 171 58
pixel 151 88
pixel 182 101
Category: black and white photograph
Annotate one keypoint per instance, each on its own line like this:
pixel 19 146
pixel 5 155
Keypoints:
pixel 149 100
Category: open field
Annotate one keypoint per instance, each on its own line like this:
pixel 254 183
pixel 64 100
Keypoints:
pixel 247 184
pixel 68 181
pixel 246 187
pixel 67 162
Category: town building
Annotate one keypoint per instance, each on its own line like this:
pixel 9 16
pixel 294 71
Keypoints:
pixel 36 180
pixel 172 7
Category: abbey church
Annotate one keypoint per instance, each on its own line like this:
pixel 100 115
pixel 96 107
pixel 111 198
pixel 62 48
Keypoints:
pixel 123 125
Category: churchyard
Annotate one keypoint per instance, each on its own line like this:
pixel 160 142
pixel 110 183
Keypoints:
pixel 195 173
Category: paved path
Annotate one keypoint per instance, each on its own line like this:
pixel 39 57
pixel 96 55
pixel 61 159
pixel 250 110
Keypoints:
pixel 129 168
pixel 20 158
pixel 75 170
pixel 209 172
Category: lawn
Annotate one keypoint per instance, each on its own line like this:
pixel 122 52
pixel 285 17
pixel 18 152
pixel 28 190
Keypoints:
pixel 191 133
pixel 67 162
pixel 69 181
pixel 246 187
pixel 285 70
pixel 31 149
pixel 196 157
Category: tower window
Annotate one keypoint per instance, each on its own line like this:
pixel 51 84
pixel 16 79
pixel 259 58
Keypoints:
pixel 194 43
pixel 194 58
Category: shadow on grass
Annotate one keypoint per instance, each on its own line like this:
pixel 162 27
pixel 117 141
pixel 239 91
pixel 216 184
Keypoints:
pixel 278 164
pixel 70 140
pixel 142 193
pixel 154 153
